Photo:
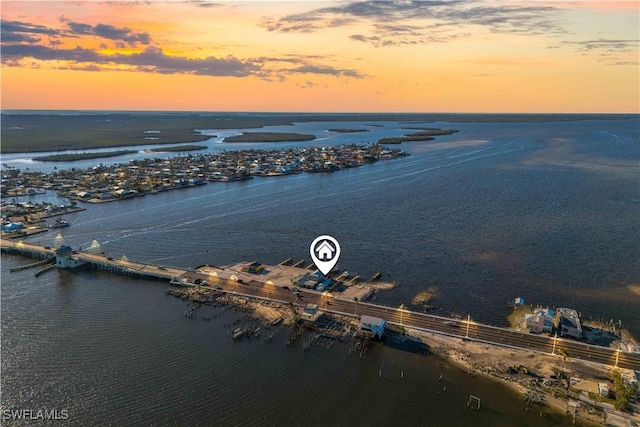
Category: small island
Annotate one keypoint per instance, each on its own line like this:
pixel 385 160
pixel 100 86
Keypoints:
pixel 425 134
pixel 269 137
pixel 348 130
pixel 82 156
pixel 178 148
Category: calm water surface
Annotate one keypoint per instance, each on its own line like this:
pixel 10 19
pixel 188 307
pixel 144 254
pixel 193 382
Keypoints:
pixel 545 211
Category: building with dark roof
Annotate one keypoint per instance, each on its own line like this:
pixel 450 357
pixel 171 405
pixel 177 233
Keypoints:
pixel 568 323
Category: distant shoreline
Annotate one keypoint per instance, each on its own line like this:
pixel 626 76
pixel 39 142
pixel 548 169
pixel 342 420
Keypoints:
pixel 41 131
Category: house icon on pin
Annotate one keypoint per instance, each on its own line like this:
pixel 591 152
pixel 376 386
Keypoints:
pixel 325 251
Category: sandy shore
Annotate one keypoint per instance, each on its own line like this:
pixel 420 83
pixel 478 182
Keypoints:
pixel 499 363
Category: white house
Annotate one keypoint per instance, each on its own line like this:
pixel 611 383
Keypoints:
pixel 375 325
pixel 65 258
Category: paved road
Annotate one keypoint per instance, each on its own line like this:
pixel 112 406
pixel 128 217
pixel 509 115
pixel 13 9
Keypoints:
pixel 424 321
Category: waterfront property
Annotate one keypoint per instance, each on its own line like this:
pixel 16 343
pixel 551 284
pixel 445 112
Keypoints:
pixel 252 267
pixel 372 324
pixel 313 280
pixel 567 323
pixel 541 321
pixel 310 309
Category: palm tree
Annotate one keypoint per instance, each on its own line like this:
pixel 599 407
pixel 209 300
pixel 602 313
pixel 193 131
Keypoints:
pixel 564 354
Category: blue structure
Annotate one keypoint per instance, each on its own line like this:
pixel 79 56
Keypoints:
pixel 375 325
pixel 12 226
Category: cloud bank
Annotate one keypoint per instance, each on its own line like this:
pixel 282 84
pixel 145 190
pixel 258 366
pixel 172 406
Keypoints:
pixel 23 42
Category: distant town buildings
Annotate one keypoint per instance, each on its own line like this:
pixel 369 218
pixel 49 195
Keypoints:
pixel 139 177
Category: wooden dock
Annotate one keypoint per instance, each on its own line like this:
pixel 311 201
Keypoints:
pixel 49 267
pixel 298 264
pixel 33 265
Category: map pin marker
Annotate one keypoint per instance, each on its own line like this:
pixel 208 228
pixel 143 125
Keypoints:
pixel 325 251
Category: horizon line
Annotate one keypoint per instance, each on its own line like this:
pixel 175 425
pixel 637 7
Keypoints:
pixel 27 110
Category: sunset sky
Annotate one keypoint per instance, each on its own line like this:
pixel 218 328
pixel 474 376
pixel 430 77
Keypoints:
pixel 348 56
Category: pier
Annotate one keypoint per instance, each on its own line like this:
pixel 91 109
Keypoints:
pixel 97 261
pixel 273 284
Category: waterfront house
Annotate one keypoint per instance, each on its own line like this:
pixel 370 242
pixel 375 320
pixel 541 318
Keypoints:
pixel 541 321
pixel 83 195
pixel 567 323
pixel 310 309
pixel 312 281
pixel 252 267
pixel 375 325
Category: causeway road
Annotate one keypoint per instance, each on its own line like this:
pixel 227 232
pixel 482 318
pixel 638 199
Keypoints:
pixel 460 328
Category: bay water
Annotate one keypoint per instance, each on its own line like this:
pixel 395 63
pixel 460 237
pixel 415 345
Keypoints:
pixel 544 211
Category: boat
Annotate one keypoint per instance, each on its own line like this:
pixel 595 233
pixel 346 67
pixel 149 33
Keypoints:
pixel 60 223
pixel 238 333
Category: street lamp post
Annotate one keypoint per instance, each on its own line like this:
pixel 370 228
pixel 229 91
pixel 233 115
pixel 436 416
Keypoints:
pixel 401 308
pixel 617 356
pixel 553 350
pixel 468 324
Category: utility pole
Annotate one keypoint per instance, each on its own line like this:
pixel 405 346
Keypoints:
pixel 553 351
